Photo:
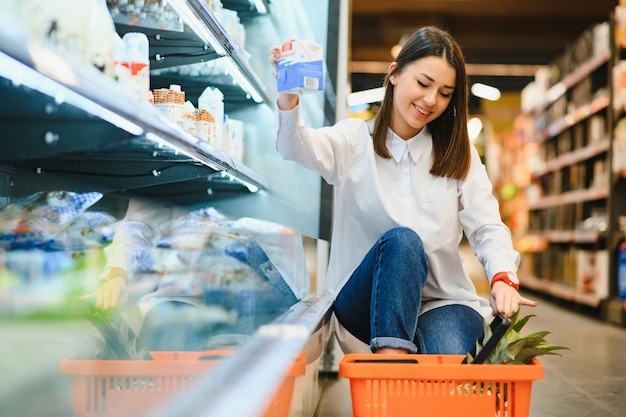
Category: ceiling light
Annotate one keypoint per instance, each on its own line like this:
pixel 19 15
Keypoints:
pixel 485 91
pixel 474 126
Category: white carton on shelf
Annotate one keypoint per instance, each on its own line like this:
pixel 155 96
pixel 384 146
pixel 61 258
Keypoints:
pixel 301 67
pixel 212 100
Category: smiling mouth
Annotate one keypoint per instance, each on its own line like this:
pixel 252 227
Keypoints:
pixel 421 111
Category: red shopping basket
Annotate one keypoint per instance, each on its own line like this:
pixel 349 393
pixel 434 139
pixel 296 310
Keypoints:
pixel 437 386
pixel 119 388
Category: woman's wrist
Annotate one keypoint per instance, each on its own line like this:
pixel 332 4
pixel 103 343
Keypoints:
pixel 287 101
pixel 509 278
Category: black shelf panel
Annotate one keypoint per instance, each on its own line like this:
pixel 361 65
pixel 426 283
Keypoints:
pixel 245 9
pixel 171 48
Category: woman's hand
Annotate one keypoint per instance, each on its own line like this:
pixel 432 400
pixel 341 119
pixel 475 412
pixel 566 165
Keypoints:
pixel 285 101
pixel 506 300
pixel 275 52
pixel 111 288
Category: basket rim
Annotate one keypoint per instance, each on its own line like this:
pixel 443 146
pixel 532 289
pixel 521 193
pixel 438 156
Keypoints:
pixel 435 367
pixel 164 364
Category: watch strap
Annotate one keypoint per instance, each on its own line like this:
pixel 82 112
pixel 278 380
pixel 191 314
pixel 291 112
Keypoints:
pixel 504 276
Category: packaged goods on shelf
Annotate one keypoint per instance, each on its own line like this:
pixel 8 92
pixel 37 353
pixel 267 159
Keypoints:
pixel 620 26
pixel 157 14
pixel 134 57
pixel 232 25
pixel 621 271
pixel 50 246
pixel 229 275
pixel 212 100
pixel 601 41
pixel 591 272
pixel 300 68
pixel 619 146
pixel 88 39
pixel 205 126
pixel 170 101
pixel 234 144
pixel 216 7
pixel 619 85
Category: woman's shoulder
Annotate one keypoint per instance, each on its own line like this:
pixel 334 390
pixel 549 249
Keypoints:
pixel 353 129
pixel 354 122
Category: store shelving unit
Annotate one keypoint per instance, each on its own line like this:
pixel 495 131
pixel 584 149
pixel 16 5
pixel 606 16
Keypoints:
pixel 568 250
pixel 98 129
pixel 67 126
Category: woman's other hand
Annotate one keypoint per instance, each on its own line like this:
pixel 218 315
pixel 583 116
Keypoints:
pixel 506 299
pixel 285 101
pixel 111 288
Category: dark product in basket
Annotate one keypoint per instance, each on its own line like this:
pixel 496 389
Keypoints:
pixel 499 326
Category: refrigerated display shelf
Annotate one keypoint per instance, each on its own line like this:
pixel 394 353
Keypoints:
pixel 55 116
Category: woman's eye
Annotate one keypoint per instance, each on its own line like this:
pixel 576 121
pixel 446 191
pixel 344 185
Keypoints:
pixel 446 95
pixel 422 84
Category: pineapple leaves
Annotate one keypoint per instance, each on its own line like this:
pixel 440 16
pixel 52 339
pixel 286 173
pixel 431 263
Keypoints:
pixel 513 348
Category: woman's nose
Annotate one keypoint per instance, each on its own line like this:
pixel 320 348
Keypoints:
pixel 430 98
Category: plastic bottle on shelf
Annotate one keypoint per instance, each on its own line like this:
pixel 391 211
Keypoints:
pixel 137 56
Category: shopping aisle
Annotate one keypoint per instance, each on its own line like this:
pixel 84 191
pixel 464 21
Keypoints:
pixel 587 380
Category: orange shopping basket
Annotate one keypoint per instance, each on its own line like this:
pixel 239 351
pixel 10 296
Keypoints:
pixel 437 386
pixel 120 388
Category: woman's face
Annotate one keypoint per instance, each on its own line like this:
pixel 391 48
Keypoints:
pixel 422 92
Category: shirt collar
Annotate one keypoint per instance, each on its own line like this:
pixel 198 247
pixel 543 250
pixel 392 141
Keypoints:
pixel 415 145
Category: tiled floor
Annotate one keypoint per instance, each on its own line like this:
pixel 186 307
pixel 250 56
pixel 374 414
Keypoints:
pixel 587 380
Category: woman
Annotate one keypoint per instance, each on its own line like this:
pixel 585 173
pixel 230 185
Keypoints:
pixel 406 186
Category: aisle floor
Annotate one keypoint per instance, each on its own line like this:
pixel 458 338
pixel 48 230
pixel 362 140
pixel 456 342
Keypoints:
pixel 589 379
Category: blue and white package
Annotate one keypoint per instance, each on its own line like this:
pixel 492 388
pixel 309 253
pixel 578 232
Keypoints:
pixel 300 68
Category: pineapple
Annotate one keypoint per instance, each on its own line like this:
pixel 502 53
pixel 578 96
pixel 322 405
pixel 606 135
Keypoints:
pixel 514 348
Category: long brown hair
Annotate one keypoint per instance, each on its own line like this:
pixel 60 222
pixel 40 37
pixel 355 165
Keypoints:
pixel 451 145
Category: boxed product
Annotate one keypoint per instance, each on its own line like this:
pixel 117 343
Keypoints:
pixel 301 67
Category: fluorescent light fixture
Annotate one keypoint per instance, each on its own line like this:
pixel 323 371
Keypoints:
pixel 260 6
pixel 374 95
pixel 21 74
pixel 189 17
pixel 241 80
pixel 485 91
pixel 204 161
pixel 474 126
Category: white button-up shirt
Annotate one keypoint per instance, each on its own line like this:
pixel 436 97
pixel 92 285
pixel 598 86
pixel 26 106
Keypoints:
pixel 373 195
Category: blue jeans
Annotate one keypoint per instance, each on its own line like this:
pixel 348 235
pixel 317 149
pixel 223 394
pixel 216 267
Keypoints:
pixel 381 301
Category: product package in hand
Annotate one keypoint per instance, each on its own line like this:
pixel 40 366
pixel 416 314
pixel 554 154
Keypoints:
pixel 300 68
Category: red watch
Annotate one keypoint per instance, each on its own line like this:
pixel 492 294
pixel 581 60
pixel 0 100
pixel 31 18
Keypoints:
pixel 508 277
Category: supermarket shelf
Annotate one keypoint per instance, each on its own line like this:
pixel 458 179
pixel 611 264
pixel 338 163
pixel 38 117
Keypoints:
pixel 576 116
pixel 170 48
pixel 197 15
pixel 561 291
pixel 570 197
pixel 557 90
pixel 568 236
pixel 79 112
pixel 571 158
pixel 247 9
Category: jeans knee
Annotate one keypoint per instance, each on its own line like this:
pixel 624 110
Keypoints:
pixel 404 238
pixel 407 250
pixel 404 241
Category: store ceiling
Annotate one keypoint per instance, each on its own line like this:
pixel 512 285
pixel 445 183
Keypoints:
pixel 519 34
